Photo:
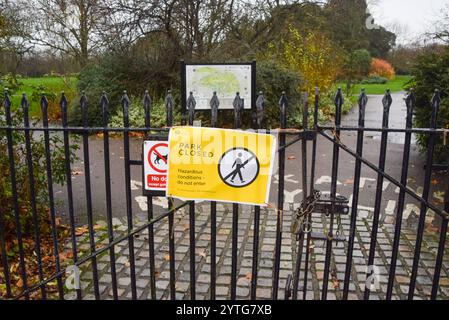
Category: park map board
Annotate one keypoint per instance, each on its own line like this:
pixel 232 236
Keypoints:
pixel 224 79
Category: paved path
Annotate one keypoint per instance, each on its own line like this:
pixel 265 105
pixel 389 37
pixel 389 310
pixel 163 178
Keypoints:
pixel 293 195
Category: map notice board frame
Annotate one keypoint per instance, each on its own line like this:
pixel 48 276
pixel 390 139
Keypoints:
pixel 202 79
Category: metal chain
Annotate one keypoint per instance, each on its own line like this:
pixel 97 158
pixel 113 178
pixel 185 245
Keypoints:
pixel 302 221
pixel 339 226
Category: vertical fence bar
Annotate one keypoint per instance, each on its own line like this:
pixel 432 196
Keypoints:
pixel 386 102
pixel 441 247
pixel 410 103
pixel 191 103
pixel 283 105
pixel 312 189
pixel 12 171
pixel 169 103
pixel 147 108
pixel 363 100
pixel 436 100
pixel 3 247
pixel 129 212
pixel 333 194
pixel 300 239
pixel 104 103
pixel 214 104
pixel 260 106
pixel 90 221
pixel 5 264
pixel 35 217
pixel 51 201
pixel 238 108
pixel 440 256
pixel 68 171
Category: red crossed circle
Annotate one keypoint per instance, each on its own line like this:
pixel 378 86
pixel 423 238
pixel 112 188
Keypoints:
pixel 154 149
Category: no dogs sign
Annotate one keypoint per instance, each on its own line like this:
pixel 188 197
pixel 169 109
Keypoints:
pixel 155 159
pixel 220 165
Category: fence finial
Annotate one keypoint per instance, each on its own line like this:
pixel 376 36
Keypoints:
pixel 260 106
pixel 436 101
pixel 386 102
pixel 238 105
pixel 214 104
pixel 169 104
pixel 24 101
pixel 410 104
pixel 191 104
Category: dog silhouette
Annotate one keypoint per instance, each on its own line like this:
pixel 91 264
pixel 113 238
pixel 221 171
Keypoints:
pixel 158 158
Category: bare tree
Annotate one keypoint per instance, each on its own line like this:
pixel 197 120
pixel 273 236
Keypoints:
pixel 441 32
pixel 15 32
pixel 69 26
pixel 192 27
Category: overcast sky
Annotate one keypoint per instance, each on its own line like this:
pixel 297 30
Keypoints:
pixel 414 17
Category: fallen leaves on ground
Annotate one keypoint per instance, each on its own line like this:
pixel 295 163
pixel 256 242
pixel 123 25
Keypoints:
pixel 48 263
pixel 81 231
pixel 430 228
pixel 203 254
pixel 335 282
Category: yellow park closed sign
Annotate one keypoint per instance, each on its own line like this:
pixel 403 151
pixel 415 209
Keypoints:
pixel 220 165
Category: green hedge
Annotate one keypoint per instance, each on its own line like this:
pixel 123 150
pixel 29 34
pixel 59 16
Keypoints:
pixel 113 74
pixel 430 72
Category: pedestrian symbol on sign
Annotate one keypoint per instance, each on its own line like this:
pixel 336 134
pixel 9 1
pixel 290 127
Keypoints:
pixel 238 167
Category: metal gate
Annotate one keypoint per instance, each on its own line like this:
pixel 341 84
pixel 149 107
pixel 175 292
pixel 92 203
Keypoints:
pixel 325 208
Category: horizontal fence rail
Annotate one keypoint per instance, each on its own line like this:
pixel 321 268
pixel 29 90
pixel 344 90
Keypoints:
pixel 307 133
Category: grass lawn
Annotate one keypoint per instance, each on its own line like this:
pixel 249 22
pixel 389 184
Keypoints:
pixel 395 85
pixel 52 86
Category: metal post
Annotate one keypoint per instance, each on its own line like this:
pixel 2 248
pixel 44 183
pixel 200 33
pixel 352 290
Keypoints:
pixel 363 100
pixel 29 160
pixel 169 103
pixel 410 103
pixel 386 102
pixel 147 103
pixel 51 201
pixel 312 189
pixel 436 100
pixel 129 213
pixel 15 204
pixel 283 105
pixel 214 105
pixel 90 221
pixel 104 104
pixel 333 194
pixel 68 172
pixel 260 105
pixel 305 125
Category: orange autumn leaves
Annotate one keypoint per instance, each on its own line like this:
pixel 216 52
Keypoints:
pixel 311 54
pixel 381 68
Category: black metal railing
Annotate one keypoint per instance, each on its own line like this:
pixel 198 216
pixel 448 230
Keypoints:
pixel 330 133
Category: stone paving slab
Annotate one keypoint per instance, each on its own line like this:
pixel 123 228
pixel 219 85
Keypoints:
pixel 267 244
